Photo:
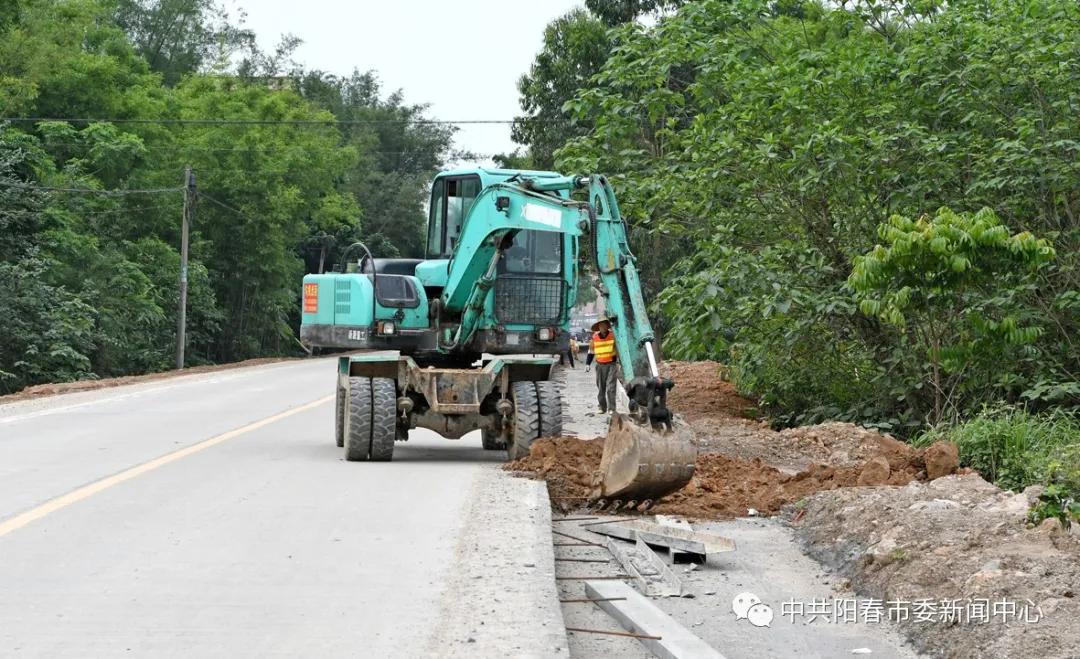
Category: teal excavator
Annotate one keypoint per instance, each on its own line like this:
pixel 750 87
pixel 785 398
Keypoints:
pixel 464 339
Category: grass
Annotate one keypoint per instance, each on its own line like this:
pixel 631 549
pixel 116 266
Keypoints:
pixel 1015 449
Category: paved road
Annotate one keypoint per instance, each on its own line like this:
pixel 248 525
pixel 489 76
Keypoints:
pixel 212 515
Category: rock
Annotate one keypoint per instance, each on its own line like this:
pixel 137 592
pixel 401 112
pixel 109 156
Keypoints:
pixel 874 472
pixel 942 459
pixel 935 505
pixel 1050 526
pixel 1032 494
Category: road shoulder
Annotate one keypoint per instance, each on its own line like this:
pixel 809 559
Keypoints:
pixel 499 598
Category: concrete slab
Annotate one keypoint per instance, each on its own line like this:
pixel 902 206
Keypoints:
pixel 638 615
pixel 666 536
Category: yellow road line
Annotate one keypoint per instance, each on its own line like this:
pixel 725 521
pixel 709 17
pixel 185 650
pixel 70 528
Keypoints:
pixel 90 490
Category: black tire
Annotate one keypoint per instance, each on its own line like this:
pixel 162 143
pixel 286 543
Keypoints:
pixel 491 441
pixel 339 418
pixel 358 421
pixel 526 420
pixel 550 407
pixel 383 419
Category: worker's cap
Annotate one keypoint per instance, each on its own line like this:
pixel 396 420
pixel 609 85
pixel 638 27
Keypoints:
pixel 603 319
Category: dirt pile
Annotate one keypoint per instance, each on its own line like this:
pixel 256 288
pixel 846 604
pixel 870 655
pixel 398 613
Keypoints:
pixel 701 392
pixel 957 538
pixel 568 464
pixel 723 486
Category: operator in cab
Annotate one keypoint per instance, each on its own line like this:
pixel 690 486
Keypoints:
pixel 602 350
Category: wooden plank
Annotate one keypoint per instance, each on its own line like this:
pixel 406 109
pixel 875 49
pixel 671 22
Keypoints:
pixel 638 615
pixel 698 542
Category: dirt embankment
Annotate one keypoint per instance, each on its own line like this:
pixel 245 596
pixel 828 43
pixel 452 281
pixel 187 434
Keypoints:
pixel 954 539
pixel 744 465
pixel 886 516
pixel 52 389
pixel 724 486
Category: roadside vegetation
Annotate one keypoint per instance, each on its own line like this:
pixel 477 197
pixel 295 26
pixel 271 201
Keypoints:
pixel 867 209
pixel 1016 449
pixel 90 212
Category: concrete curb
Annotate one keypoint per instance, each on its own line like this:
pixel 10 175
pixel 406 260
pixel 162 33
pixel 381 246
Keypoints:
pixel 500 598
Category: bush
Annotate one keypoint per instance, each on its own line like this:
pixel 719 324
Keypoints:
pixel 1015 449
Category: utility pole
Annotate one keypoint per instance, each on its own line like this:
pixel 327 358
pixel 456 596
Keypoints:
pixel 189 215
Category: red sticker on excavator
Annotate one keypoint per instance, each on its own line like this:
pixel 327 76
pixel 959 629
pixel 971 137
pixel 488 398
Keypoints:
pixel 311 298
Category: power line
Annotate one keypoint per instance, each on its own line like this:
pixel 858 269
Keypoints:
pixel 203 195
pixel 86 213
pixel 108 193
pixel 265 122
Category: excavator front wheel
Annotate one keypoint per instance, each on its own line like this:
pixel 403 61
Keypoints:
pixel 524 423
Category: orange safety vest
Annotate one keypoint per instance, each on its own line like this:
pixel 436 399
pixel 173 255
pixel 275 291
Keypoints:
pixel 603 348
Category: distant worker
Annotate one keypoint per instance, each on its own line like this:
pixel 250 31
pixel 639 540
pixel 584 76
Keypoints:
pixel 590 356
pixel 573 351
pixel 602 349
pixel 569 354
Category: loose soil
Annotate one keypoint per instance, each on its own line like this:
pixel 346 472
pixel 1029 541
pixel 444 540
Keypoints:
pixel 52 389
pixel 701 391
pixel 897 523
pixel 724 486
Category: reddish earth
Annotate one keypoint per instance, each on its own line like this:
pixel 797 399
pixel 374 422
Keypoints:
pixel 725 486
pixel 700 391
pixel 743 464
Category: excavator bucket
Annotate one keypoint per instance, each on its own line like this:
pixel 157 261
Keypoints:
pixel 640 464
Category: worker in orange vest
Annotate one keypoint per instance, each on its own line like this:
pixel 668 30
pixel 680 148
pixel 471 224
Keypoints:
pixel 602 347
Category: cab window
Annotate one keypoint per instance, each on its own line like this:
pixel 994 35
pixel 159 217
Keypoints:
pixel 534 252
pixel 435 223
pixel 451 199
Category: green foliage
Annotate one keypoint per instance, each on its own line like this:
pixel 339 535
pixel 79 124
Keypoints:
pixel 398 157
pixel 91 279
pixel 179 37
pixel 958 288
pixel 575 47
pixel 1016 449
pixel 617 12
pixel 759 146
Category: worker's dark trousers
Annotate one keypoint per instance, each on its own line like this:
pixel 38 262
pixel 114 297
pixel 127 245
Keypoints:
pixel 606 380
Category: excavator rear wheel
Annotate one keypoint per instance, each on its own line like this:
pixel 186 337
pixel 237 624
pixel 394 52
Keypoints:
pixel 339 418
pixel 383 419
pixel 525 422
pixel 358 420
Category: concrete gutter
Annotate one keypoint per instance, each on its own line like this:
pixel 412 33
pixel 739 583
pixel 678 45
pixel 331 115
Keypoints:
pixel 500 598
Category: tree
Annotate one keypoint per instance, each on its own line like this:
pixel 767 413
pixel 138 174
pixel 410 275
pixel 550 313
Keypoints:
pixel 178 37
pixel 575 47
pixel 958 288
pixel 757 146
pixel 618 12
pixel 399 154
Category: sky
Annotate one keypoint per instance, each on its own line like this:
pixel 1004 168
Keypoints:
pixel 463 57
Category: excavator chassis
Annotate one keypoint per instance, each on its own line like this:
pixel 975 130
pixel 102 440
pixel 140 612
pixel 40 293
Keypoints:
pixel 449 401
